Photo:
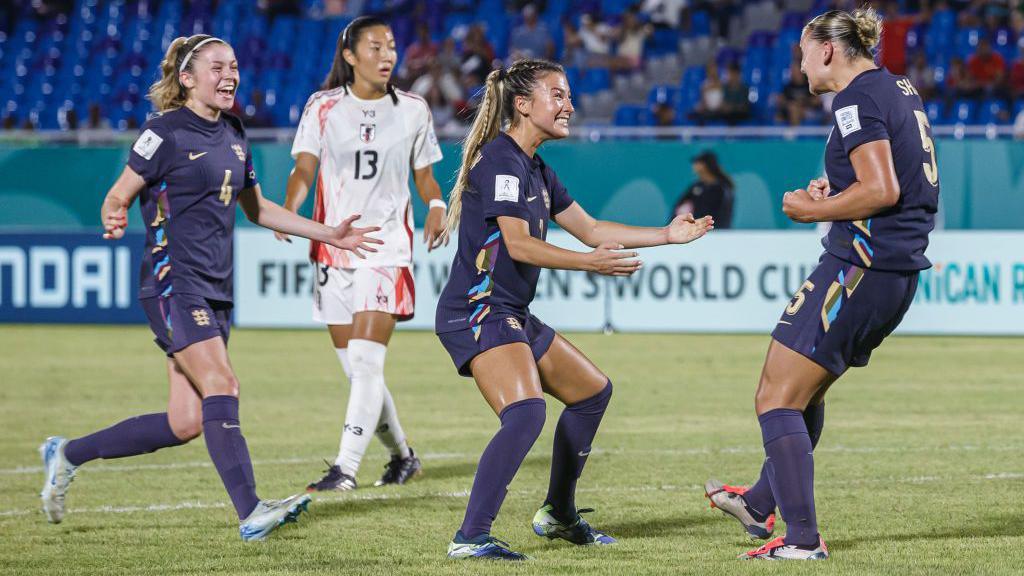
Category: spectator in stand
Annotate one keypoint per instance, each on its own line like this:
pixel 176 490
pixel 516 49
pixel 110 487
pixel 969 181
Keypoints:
pixel 442 91
pixel 664 114
pixel 735 96
pixel 477 53
pixel 1016 87
pixel 663 13
pixel 712 96
pixel 795 99
pixel 418 55
pixel 573 52
pixel 988 69
pixel 596 39
pixel 960 84
pixel 893 46
pixel 630 36
pixel 256 113
pixel 531 39
pixel 96 119
pixel 922 75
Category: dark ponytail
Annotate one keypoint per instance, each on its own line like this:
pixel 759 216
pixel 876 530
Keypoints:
pixel 341 74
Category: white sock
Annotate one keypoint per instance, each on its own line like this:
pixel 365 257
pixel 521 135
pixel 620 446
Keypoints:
pixel 365 402
pixel 389 430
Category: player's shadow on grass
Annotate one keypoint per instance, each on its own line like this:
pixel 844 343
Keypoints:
pixel 988 527
pixel 660 526
pixel 446 470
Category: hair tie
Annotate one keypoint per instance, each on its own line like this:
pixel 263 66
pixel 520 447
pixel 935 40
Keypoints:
pixel 501 73
pixel 184 61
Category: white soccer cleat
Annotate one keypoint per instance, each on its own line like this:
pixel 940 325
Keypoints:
pixel 59 474
pixel 269 514
pixel 778 550
pixel 729 499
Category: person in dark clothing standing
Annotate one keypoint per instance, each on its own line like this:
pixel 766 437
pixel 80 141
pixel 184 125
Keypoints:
pixel 712 193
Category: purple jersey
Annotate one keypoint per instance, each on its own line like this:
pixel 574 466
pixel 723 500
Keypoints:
pixel 878 105
pixel 194 170
pixel 484 281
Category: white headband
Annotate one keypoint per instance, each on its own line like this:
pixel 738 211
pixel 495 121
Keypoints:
pixel 188 56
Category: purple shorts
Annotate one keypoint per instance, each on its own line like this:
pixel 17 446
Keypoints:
pixel 843 312
pixel 180 320
pixel 464 345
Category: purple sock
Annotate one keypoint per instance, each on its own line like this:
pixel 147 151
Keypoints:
pixel 138 435
pixel 521 423
pixel 230 455
pixel 790 465
pixel 575 431
pixel 759 498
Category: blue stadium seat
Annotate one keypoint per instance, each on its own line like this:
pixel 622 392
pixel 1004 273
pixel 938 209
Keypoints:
pixel 993 112
pixel 935 113
pixel 632 115
pixel 964 111
pixel 967 41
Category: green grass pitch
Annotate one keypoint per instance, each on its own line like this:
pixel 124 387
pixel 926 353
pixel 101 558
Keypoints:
pixel 920 469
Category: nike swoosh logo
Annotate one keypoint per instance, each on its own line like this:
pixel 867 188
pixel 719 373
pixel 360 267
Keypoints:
pixel 226 425
pixel 531 198
pixel 786 323
pixel 192 156
pixel 584 453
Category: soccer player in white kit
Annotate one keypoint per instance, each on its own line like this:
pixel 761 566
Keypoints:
pixel 366 136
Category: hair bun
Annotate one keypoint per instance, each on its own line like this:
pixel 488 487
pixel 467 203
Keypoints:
pixel 869 26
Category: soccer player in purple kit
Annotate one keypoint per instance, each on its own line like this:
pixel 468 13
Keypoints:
pixel 502 201
pixel 191 165
pixel 880 196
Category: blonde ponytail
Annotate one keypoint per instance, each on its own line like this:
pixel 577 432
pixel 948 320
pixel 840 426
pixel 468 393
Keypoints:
pixel 858 32
pixel 869 27
pixel 167 93
pixel 496 108
pixel 485 128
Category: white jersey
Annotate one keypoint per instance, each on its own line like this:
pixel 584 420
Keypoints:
pixel 366 148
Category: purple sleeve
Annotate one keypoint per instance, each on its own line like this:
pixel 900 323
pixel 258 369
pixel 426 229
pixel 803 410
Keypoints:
pixel 501 189
pixel 560 198
pixel 152 154
pixel 858 120
pixel 250 172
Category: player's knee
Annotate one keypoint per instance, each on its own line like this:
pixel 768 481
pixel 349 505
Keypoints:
pixel 186 427
pixel 219 384
pixel 366 358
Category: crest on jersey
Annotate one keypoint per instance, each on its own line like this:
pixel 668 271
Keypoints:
pixel 238 151
pixel 367 132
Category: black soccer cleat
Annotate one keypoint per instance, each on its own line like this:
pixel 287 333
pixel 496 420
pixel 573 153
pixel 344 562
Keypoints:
pixel 400 470
pixel 334 480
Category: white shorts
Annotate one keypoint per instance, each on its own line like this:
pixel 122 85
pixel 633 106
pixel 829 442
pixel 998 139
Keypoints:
pixel 341 292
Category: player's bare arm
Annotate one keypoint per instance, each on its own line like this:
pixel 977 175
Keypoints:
pixel 114 211
pixel 430 191
pixel 875 190
pixel 592 232
pixel 300 180
pixel 263 212
pixel 605 259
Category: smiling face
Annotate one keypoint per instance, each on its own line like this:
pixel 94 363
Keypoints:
pixel 373 57
pixel 549 107
pixel 212 77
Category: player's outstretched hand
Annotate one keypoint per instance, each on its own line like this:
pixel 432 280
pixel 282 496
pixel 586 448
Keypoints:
pixel 684 228
pixel 433 229
pixel 282 237
pixel 818 188
pixel 799 205
pixel 352 238
pixel 114 215
pixel 606 259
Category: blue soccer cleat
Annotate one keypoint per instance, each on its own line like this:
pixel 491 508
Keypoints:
pixel 579 532
pixel 483 546
pixel 59 474
pixel 269 514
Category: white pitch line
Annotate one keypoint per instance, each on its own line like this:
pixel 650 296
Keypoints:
pixel 836 449
pixel 520 492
